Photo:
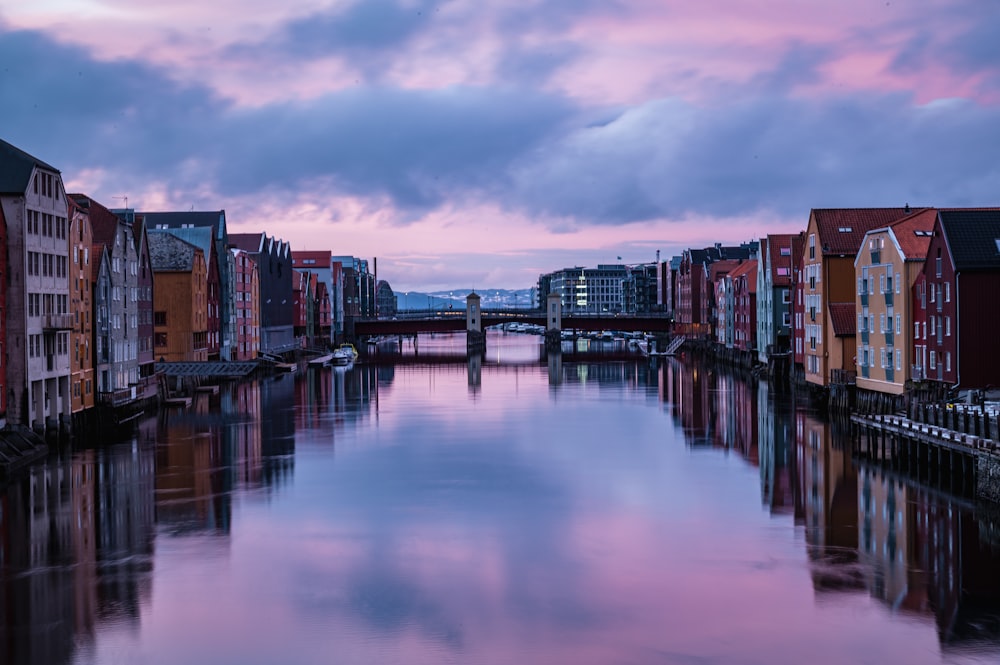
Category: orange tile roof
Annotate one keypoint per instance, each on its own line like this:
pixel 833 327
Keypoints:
pixel 842 230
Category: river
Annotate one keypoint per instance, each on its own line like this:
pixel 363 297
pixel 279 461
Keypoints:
pixel 510 510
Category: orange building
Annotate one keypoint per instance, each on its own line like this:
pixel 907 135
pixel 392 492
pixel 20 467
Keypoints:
pixel 180 300
pixel 81 361
pixel 833 238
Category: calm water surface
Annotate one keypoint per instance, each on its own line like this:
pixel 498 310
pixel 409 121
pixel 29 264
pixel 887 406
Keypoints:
pixel 504 511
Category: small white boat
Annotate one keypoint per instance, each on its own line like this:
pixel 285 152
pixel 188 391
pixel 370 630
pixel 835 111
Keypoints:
pixel 341 357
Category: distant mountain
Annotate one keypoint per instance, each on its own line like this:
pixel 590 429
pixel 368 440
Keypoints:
pixel 489 299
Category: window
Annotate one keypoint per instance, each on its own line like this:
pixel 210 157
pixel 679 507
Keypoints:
pixel 916 330
pixel 160 339
pixel 947 361
pixel 159 318
pixel 897 282
pixel 947 326
pixel 812 246
pixel 883 357
pixel 947 291
pixel 899 324
pixel 932 361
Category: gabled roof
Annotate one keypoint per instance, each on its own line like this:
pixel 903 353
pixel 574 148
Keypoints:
pixel 192 218
pixel 167 252
pixel 16 167
pixel 843 317
pixel 249 242
pixel 973 238
pixel 200 237
pixel 774 243
pixel 913 234
pixel 103 222
pixel 842 230
pixel 747 269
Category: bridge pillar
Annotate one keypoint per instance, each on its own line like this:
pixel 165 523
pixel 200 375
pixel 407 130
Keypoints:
pixel 474 335
pixel 553 323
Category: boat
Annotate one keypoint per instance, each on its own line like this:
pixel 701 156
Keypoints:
pixel 348 348
pixel 341 357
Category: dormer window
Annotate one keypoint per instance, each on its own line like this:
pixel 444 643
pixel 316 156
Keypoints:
pixel 845 229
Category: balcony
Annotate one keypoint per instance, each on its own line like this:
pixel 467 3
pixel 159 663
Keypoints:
pixel 116 398
pixel 889 338
pixel 844 377
pixel 876 256
pixel 864 336
pixel 888 298
pixel 864 299
pixel 917 372
pixel 57 322
pixel 890 375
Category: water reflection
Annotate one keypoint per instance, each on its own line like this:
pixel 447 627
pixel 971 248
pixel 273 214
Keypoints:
pixel 918 550
pixel 546 514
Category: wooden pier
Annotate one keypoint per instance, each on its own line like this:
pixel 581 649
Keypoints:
pixel 967 464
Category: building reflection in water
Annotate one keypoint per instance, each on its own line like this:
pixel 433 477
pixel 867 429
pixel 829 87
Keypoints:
pixel 76 545
pixel 916 549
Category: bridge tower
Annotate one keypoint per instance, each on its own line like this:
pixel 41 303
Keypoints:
pixel 553 323
pixel 474 335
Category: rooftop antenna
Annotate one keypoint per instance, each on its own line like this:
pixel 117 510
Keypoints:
pixel 122 198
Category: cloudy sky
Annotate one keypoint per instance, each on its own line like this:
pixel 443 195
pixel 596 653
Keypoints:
pixel 482 142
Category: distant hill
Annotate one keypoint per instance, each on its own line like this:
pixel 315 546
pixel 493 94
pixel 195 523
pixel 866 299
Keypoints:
pixel 489 298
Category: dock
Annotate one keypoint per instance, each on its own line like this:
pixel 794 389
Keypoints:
pixel 934 452
pixel 177 401
pixel 321 360
pixel 19 447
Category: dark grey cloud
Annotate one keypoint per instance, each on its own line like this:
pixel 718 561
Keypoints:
pixel 418 147
pixel 746 149
pixel 669 159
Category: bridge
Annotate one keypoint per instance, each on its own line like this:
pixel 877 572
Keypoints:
pixel 448 320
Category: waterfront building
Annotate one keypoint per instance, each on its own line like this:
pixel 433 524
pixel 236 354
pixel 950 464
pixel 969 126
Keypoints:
pixel 582 290
pixel 668 284
pixel 833 238
pixel 324 312
pixel 203 237
pixel 302 307
pixel 180 300
pixel 214 244
pixel 37 299
pixel 274 270
pixel 3 321
pixel 148 388
pixel 116 282
pixel 774 296
pixel 82 306
pixel 798 308
pixel 886 266
pixel 954 307
pixel 358 288
pixel 247 310
pixel 744 288
pixel 320 263
pixel 386 300
pixel 696 313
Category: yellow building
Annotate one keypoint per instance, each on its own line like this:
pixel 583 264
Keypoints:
pixel 832 240
pixel 886 267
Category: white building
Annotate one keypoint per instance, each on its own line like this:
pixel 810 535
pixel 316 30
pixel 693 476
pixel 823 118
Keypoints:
pixel 37 317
